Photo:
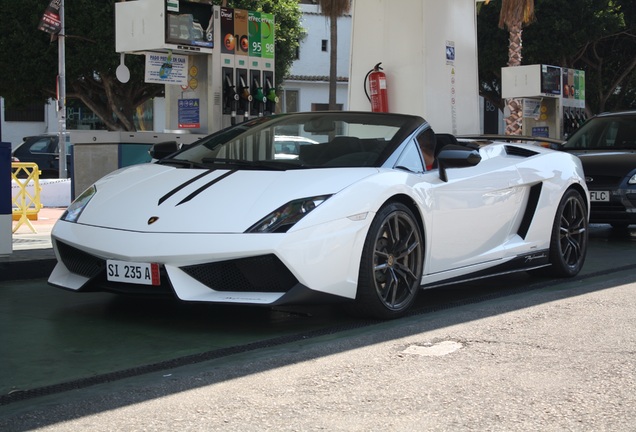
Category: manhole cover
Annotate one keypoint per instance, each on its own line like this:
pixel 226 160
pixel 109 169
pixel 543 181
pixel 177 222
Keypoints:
pixel 433 350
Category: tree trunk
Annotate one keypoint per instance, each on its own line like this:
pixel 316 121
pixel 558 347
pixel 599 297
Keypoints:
pixel 514 45
pixel 333 60
pixel 514 120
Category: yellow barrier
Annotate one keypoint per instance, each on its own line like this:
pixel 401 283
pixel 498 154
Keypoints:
pixel 26 205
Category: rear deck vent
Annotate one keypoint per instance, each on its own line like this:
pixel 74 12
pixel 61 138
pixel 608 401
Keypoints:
pixel 520 151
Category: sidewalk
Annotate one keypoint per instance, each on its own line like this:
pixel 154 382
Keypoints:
pixel 33 255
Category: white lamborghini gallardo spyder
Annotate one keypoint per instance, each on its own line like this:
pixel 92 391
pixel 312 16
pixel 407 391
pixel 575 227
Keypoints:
pixel 355 216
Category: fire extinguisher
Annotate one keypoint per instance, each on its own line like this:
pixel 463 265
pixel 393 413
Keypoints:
pixel 377 86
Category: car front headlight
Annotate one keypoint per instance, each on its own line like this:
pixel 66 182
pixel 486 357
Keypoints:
pixel 632 180
pixel 76 208
pixel 284 217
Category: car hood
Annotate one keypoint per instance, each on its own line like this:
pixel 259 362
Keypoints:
pixel 197 200
pixel 612 163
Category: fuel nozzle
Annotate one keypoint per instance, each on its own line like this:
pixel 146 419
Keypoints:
pixel 244 91
pixel 231 98
pixel 258 96
pixel 271 97
pixel 245 98
pixel 230 91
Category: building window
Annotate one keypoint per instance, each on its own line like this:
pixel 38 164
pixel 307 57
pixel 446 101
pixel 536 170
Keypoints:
pixel 28 113
pixel 291 101
pixel 324 45
pixel 324 107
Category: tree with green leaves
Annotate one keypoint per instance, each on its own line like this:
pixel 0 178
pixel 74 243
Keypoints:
pixel 596 36
pixel 333 9
pixel 91 59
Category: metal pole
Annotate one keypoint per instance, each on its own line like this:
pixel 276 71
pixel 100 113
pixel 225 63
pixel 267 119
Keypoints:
pixel 61 97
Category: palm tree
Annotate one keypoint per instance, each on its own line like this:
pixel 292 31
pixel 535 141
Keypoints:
pixel 513 16
pixel 333 9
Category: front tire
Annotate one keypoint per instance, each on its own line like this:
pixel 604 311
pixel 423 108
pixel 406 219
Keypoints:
pixel 391 264
pixel 568 243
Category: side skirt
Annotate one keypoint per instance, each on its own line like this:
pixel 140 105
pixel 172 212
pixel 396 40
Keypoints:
pixel 521 263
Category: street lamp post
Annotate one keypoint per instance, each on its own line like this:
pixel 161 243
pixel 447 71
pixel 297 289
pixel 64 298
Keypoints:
pixel 61 96
pixel 52 22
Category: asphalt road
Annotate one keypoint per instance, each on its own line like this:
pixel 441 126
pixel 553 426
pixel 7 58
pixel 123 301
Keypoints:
pixel 555 357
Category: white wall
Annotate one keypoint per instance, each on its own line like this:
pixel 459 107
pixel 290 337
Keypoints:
pixel 313 61
pixel 309 75
pixel 159 114
pixel 410 38
pixel 310 92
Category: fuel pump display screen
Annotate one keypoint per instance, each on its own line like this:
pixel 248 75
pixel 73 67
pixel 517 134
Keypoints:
pixel 550 80
pixel 190 23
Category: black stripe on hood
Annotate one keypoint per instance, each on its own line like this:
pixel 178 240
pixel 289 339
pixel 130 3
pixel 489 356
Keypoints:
pixel 181 186
pixel 205 186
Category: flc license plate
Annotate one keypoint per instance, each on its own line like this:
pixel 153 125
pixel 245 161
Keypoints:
pixel 599 196
pixel 132 272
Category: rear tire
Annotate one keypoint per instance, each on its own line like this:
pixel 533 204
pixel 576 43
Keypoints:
pixel 391 264
pixel 568 243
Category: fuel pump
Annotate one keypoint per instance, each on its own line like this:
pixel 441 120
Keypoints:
pixel 245 97
pixel 573 118
pixel 567 122
pixel 572 100
pixel 270 93
pixel 230 96
pixel 574 124
pixel 580 116
pixel 258 97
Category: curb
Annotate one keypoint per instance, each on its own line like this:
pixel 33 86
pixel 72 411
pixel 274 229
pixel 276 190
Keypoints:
pixel 22 270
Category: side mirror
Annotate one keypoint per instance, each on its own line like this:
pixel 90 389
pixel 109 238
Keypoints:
pixel 456 157
pixel 163 149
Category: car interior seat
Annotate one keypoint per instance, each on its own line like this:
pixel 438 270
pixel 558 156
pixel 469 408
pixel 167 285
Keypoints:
pixel 442 140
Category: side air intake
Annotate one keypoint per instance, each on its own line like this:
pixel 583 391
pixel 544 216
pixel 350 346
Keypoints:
pixel 531 208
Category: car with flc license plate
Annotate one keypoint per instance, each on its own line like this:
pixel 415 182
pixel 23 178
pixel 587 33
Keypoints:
pixel 606 145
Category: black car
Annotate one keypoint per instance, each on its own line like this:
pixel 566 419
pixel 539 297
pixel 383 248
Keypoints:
pixel 42 150
pixel 606 144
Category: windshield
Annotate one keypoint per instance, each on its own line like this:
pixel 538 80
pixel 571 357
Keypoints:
pixel 302 140
pixel 605 133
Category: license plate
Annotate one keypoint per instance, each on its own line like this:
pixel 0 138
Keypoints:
pixel 132 272
pixel 599 196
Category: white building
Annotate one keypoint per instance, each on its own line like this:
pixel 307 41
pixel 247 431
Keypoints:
pixel 307 86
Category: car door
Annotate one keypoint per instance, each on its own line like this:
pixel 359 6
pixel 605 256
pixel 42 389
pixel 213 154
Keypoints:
pixel 472 214
pixel 42 151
